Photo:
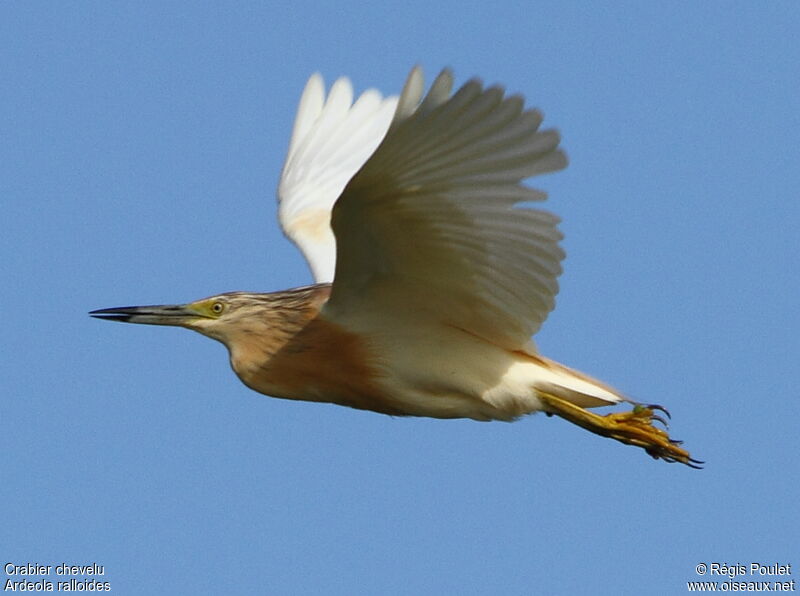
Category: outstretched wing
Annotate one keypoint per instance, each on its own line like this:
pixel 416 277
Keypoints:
pixel 331 140
pixel 433 222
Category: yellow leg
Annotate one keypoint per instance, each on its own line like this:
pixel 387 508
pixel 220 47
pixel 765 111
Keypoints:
pixel 632 428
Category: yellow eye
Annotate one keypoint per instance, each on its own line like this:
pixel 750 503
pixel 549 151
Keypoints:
pixel 217 308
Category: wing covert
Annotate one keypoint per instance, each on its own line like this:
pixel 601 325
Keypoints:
pixel 432 223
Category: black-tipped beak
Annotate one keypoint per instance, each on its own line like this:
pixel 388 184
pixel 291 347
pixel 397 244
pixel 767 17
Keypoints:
pixel 176 315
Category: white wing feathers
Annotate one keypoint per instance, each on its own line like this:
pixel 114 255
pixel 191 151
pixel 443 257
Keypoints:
pixel 331 140
pixel 431 224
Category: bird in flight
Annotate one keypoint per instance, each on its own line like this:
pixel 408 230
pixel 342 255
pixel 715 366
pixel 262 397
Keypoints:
pixel 432 273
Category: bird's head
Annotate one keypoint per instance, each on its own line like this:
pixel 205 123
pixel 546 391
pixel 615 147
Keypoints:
pixel 220 317
pixel 237 319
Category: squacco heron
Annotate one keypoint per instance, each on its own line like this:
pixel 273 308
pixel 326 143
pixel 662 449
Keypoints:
pixel 431 273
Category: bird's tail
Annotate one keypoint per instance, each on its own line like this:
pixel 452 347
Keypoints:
pixel 576 387
pixel 565 392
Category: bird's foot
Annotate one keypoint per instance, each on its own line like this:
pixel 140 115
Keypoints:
pixel 632 428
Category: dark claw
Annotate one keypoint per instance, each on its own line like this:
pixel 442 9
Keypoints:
pixel 659 419
pixel 695 464
pixel 660 409
pixel 656 453
pixel 676 441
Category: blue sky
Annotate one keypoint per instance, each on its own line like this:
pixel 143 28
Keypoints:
pixel 140 145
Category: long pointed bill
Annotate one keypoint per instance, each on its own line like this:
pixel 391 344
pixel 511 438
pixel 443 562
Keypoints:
pixel 176 315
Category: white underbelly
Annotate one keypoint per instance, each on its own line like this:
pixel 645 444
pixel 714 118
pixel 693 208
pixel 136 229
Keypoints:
pixel 456 375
